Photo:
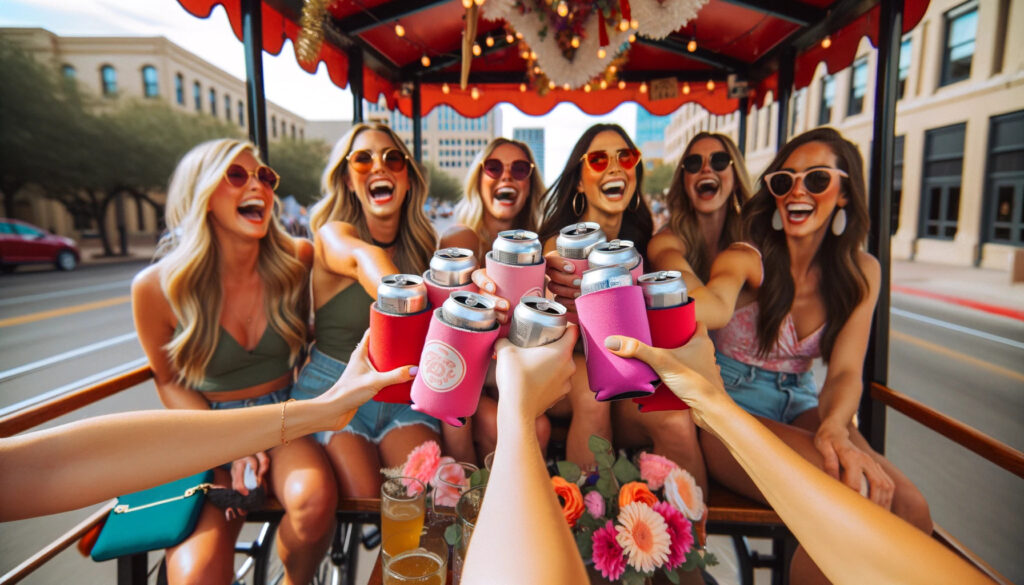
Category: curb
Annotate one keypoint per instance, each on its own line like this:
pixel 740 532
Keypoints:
pixel 986 307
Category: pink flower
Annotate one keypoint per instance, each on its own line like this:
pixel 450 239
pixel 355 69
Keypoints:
pixel 594 503
pixel 654 469
pixel 607 553
pixel 422 463
pixel 449 482
pixel 680 530
pixel 682 491
pixel 643 536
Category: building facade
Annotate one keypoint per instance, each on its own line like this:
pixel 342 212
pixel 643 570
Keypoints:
pixel 651 136
pixel 959 160
pixel 534 138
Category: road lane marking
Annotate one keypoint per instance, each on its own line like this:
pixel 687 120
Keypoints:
pixel 32 317
pixel 941 349
pixel 65 293
pixel 76 385
pixel 39 364
pixel 958 328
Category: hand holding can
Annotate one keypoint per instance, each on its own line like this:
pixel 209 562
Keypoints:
pixel 670 314
pixel 451 269
pixel 516 267
pixel 398 328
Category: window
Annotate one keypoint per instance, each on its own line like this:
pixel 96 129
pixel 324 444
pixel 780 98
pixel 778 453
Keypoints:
pixel 940 185
pixel 828 98
pixel 904 70
pixel 227 107
pixel 197 96
pixel 858 87
pixel 108 80
pixel 241 114
pixel 150 84
pixel 958 48
pixel 179 89
pixel 794 110
pixel 1004 180
pixel 897 183
pixel 293 131
pixel 273 126
pixel 213 102
pixel 68 72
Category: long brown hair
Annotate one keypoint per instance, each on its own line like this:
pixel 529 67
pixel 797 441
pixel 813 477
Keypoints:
pixel 842 282
pixel 683 220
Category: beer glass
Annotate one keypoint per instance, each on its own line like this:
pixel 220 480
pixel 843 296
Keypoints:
pixel 402 507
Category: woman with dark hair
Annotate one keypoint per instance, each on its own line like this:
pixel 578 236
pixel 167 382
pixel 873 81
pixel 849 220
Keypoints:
pixel 803 288
pixel 601 183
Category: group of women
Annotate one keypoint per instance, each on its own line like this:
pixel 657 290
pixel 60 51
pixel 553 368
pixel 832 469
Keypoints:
pixel 779 273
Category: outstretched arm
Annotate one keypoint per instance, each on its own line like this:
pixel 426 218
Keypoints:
pixel 668 252
pixel 340 249
pixel 851 539
pixel 735 267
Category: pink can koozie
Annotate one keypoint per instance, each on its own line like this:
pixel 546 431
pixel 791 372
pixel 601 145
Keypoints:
pixel 514 282
pixel 396 341
pixel 670 328
pixel 452 370
pixel 637 271
pixel 615 311
pixel 438 294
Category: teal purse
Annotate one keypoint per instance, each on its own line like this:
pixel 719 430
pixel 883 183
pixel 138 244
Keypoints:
pixel 153 519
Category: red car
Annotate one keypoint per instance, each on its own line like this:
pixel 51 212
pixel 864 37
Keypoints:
pixel 24 243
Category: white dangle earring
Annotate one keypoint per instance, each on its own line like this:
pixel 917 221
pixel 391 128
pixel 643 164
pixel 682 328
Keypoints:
pixel 777 221
pixel 839 222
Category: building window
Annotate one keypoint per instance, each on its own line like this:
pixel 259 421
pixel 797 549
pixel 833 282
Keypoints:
pixel 940 185
pixel 1004 180
pixel 897 182
pixel 828 98
pixel 227 107
pixel 241 114
pixel 108 80
pixel 197 96
pixel 958 48
pixel 858 87
pixel 150 84
pixel 293 131
pixel 68 71
pixel 213 102
pixel 179 89
pixel 904 69
pixel 794 111
pixel 273 126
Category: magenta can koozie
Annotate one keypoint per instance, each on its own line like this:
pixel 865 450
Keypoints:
pixel 438 294
pixel 452 370
pixel 615 311
pixel 514 282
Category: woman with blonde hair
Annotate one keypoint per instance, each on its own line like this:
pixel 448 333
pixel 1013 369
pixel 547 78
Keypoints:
pixel 222 319
pixel 369 224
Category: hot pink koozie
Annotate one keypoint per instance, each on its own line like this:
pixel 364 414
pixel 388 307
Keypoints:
pixel 452 369
pixel 670 328
pixel 515 282
pixel 396 341
pixel 437 294
pixel 615 311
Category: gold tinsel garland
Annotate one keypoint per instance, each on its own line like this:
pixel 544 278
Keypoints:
pixel 307 47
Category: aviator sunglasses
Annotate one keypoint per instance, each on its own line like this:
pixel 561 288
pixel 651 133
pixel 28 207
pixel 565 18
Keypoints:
pixel 598 160
pixel 815 181
pixel 238 176
pixel 361 161
pixel 719 162
pixel 519 169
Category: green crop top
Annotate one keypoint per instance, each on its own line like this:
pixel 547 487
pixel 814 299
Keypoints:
pixel 232 367
pixel 340 323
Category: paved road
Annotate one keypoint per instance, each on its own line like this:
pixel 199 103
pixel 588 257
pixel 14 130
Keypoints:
pixel 960 361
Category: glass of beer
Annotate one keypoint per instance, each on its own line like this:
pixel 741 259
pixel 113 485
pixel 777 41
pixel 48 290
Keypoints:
pixel 426 564
pixel 450 481
pixel 402 506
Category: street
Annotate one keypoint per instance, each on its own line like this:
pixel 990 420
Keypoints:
pixel 962 362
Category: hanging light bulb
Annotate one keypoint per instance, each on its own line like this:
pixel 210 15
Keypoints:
pixel 425 61
pixel 533 55
pixel 522 87
pixel 686 89
pixel 510 38
pixel 478 2
pixel 477 50
pixel 632 38
pixel 601 53
pixel 563 9
pixel 474 93
pixel 525 54
pixel 399 30
pixel 445 89
pixel 612 68
pixel 565 86
pixel 622 84
pixel 536 70
pixel 623 25
pixel 826 42
pixel 586 88
pixel 692 45
pixel 643 87
pixel 604 84
pixel 467 3
pixel 490 41
pixel 711 85
pixel 551 85
pixel 575 42
pixel 634 24
pixel 519 35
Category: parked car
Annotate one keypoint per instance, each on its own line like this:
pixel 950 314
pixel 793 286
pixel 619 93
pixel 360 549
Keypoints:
pixel 24 243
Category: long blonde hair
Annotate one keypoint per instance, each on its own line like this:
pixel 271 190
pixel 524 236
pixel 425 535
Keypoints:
pixel 189 259
pixel 470 209
pixel 416 237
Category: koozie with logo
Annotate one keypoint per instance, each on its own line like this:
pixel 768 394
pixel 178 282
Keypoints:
pixel 396 341
pixel 615 311
pixel 670 328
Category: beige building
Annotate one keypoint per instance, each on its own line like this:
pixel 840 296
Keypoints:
pixel 959 126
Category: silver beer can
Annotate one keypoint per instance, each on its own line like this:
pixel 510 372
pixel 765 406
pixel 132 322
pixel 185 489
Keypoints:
pixel 401 294
pixel 537 321
pixel 452 266
pixel 577 240
pixel 517 247
pixel 469 310
pixel 614 253
pixel 663 289
pixel 604 277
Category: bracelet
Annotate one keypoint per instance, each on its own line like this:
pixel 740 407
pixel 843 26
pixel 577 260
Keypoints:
pixel 284 408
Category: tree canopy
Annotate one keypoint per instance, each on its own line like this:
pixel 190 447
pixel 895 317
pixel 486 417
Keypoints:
pixel 443 187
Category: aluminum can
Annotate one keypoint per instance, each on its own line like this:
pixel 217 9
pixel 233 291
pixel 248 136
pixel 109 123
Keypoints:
pixel 663 289
pixel 452 266
pixel 604 277
pixel 577 240
pixel 401 294
pixel 537 321
pixel 469 310
pixel 614 253
pixel 517 247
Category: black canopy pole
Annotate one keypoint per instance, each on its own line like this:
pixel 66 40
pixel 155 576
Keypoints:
pixel 355 83
pixel 786 61
pixel 876 365
pixel 417 122
pixel 742 133
pixel 252 37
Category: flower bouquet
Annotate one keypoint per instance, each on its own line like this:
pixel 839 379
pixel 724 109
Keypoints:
pixel 620 524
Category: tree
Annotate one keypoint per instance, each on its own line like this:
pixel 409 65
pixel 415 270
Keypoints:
pixel 300 164
pixel 658 179
pixel 443 187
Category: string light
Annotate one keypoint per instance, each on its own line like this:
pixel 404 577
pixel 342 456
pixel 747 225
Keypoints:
pixel 399 30
pixel 563 9
pixel 601 53
pixel 632 38
pixel 686 89
pixel 490 41
pixel 478 2
pixel 586 88
pixel 692 45
pixel 551 85
pixel 536 70
pixel 533 55
pixel 826 42
pixel 510 38
pixel 575 42
pixel 519 35
pixel 467 3
pixel 445 89
pixel 711 85
pixel 474 93
pixel 612 68
pixel 425 60
pixel 643 87
pixel 604 84
pixel 623 25
pixel 522 87
pixel 525 54
pixel 622 84
pixel 565 86
pixel 477 50
pixel 634 24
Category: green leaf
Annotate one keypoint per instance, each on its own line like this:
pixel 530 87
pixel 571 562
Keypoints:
pixel 452 535
pixel 605 461
pixel 585 544
pixel 672 576
pixel 599 445
pixel 692 561
pixel 625 471
pixel 710 560
pixel 480 477
pixel 633 577
pixel 606 486
pixel 569 471
pixel 588 522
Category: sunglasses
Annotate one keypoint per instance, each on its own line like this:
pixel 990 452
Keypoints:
pixel 719 162
pixel 361 161
pixel 815 181
pixel 519 169
pixel 238 176
pixel 598 160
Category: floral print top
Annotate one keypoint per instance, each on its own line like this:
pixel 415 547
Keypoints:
pixel 738 340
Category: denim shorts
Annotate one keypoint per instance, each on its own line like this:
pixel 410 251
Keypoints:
pixel 780 396
pixel 275 397
pixel 373 420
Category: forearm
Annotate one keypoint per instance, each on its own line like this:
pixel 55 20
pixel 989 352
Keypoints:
pixel 839 399
pixel 710 308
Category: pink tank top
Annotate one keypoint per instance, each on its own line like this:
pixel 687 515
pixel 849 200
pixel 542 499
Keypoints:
pixel 738 340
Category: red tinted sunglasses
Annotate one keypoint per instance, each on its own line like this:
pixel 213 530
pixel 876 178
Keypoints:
pixel 598 160
pixel 519 169
pixel 238 176
pixel 361 161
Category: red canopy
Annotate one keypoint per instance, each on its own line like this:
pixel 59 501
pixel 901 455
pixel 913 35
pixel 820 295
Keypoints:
pixel 734 36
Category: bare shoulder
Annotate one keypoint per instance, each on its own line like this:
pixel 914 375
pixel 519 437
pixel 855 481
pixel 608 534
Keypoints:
pixel 335 228
pixel 663 241
pixel 148 299
pixel 460 236
pixel 871 267
pixel 147 281
pixel 302 249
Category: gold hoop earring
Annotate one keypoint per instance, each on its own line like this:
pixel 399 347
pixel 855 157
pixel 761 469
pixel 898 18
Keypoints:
pixel 579 198
pixel 636 202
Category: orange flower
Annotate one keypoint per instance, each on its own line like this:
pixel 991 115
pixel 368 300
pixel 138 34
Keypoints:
pixel 636 491
pixel 572 499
